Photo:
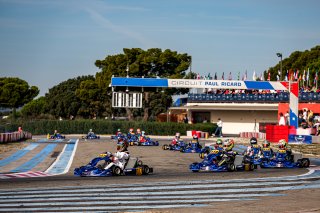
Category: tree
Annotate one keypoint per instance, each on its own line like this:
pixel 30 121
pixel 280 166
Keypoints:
pixel 62 100
pixel 34 107
pixel 150 63
pixel 15 93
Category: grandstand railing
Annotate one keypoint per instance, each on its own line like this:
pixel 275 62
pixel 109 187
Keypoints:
pixel 252 98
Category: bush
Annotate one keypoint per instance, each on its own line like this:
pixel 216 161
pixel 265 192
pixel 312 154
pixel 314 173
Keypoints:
pixel 42 127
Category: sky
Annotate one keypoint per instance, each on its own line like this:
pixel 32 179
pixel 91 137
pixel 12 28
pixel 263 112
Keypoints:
pixel 45 42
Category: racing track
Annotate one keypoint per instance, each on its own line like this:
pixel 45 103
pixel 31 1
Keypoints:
pixel 172 186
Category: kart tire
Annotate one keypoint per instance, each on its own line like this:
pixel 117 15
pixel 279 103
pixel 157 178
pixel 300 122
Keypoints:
pixel 116 171
pixel 145 170
pixel 299 163
pixel 305 162
pixel 181 149
pixel 231 167
pixel 253 167
pixel 165 147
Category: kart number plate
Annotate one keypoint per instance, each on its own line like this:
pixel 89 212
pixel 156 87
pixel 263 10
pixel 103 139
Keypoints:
pixel 279 165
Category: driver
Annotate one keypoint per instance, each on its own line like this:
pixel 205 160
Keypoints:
pixel 266 150
pixel 130 133
pixel 253 149
pixel 121 157
pixel 195 140
pixel 176 139
pixel 90 133
pixel 282 145
pixel 218 144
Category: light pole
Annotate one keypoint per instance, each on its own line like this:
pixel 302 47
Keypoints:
pixel 280 56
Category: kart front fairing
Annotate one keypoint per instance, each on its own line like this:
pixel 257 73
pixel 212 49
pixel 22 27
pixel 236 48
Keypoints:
pixel 94 168
pixel 210 163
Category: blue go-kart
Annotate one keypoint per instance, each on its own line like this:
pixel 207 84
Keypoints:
pixel 207 149
pixel 192 148
pixel 220 161
pixel 144 141
pixel 95 168
pixel 284 159
pixel 181 145
pixel 115 137
pixel 91 136
pixel 57 136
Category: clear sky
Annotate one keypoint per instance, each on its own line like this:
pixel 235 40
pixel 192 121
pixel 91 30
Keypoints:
pixel 48 41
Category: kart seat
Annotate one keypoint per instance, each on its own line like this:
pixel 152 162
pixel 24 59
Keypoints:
pixel 131 162
pixel 238 160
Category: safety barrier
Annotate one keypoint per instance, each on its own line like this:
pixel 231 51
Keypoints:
pixel 14 136
pixel 259 135
pixel 263 98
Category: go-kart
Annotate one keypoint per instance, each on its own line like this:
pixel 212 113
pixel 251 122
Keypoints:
pixel 220 161
pixel 192 148
pixel 91 136
pixel 57 136
pixel 115 137
pixel 207 149
pixel 96 166
pixel 180 145
pixel 284 159
pixel 144 141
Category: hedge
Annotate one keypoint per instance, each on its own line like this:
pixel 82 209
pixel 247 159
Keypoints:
pixel 106 127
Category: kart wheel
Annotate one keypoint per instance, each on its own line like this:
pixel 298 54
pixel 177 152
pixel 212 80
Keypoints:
pixel 116 171
pixel 305 162
pixel 181 149
pixel 299 163
pixel 165 147
pixel 252 167
pixel 231 167
pixel 145 170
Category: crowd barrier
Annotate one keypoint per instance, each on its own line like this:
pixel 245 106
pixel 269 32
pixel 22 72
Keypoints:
pixel 14 136
pixel 259 135
pixel 263 98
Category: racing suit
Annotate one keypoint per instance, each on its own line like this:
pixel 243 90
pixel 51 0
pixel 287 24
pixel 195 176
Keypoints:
pixel 120 159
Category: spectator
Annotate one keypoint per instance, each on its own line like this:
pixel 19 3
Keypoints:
pixel 218 131
pixel 282 121
pixel 287 118
pixel 185 120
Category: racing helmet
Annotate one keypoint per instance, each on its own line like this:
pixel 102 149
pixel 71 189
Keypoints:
pixel 177 135
pixel 122 145
pixel 90 130
pixel 138 131
pixel 131 130
pixel 219 142
pixel 119 130
pixel 228 144
pixel 253 141
pixel 143 133
pixel 265 144
pixel 282 144
pixel 195 138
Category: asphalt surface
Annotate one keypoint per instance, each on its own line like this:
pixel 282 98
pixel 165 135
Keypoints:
pixel 170 166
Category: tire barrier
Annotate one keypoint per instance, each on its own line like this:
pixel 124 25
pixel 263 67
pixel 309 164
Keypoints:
pixel 259 135
pixel 14 136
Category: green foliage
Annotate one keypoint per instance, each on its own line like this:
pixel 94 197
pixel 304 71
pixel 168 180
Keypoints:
pixel 309 59
pixel 62 100
pixel 34 107
pixel 106 127
pixel 15 92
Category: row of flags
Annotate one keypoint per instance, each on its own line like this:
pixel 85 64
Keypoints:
pixel 290 74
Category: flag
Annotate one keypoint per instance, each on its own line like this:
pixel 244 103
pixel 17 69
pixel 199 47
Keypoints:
pixel 308 78
pixel 269 76
pixel 278 78
pixel 230 76
pixel 261 77
pixel 215 76
pixel 254 77
pixel 222 76
pixel 198 76
pixel 238 76
pixel 245 76
pixel 209 77
pixel 304 75
pixel 296 74
pixel 286 77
